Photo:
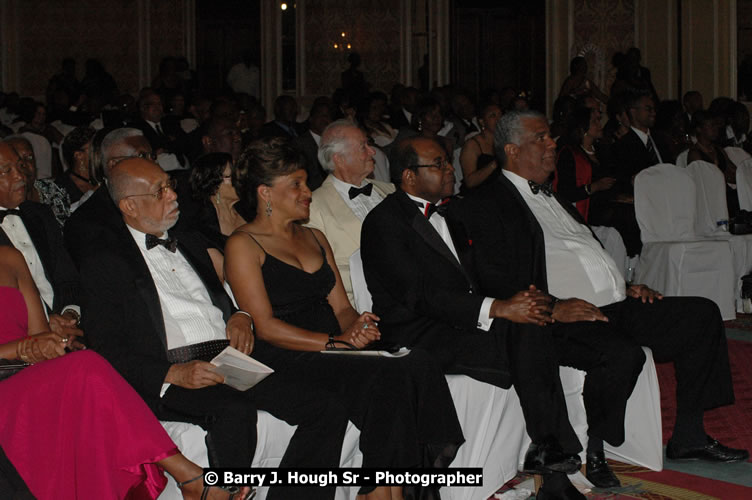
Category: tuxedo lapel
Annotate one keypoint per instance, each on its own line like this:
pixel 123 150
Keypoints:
pixel 426 231
pixel 462 246
pixel 341 211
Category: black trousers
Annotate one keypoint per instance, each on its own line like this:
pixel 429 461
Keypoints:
pixel 229 416
pixel 685 331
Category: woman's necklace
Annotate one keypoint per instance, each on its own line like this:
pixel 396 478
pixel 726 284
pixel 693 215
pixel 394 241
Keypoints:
pixel 85 179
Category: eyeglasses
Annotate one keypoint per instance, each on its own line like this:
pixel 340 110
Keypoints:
pixel 170 184
pixel 144 155
pixel 439 164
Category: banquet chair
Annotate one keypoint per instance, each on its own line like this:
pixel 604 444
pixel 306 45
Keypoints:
pixel 743 162
pixel 674 258
pixel 710 185
pixel 42 153
pixel 681 158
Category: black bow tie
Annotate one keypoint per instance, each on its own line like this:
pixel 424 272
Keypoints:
pixel 366 190
pixel 10 211
pixel 544 188
pixel 170 244
pixel 429 209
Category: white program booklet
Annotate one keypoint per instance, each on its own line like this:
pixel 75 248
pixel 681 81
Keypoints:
pixel 241 372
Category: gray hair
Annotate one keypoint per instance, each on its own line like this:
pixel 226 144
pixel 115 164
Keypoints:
pixel 114 138
pixel 118 185
pixel 509 130
pixel 333 142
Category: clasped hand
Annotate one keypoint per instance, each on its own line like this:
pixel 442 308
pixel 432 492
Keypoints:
pixel 527 306
pixel 643 292
pixel 362 331
pixel 66 326
pixel 571 310
pixel 39 347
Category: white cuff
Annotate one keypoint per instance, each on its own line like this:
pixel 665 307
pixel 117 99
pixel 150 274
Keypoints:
pixel 484 319
pixel 72 307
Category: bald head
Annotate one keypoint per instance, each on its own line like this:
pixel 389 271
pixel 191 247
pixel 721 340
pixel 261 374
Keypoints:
pixel 145 196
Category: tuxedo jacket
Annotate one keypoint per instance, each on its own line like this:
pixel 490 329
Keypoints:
pixel 632 157
pixel 333 217
pixel 122 313
pixel 507 238
pixel 417 285
pixel 307 145
pixel 45 234
pixel 94 222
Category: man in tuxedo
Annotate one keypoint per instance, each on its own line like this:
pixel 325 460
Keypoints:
pixel 308 143
pixel 31 228
pixel 524 235
pixel 98 215
pixel 149 122
pixel 157 311
pixel 636 150
pixel 340 205
pixel 421 274
pixel 283 125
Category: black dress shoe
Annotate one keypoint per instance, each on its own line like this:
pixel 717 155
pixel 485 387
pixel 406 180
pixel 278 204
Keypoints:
pixel 545 457
pixel 712 451
pixel 599 473
pixel 569 492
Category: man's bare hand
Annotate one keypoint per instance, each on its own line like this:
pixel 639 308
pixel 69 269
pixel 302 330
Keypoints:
pixel 193 375
pixel 240 332
pixel 65 326
pixel 527 306
pixel 643 292
pixel 571 310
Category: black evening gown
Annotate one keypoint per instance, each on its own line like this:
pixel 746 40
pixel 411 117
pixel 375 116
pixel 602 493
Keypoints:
pixel 402 406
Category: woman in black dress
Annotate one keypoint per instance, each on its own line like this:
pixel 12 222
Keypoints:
pixel 284 275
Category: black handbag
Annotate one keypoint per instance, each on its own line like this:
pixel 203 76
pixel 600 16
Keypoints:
pixel 10 367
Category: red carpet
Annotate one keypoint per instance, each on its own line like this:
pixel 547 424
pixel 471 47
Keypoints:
pixel 731 425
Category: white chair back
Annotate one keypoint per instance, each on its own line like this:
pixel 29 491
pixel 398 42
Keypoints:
pixel 710 194
pixel 42 154
pixel 458 175
pixel 681 160
pixel 664 197
pixel 381 166
pixel 744 184
pixel 361 295
pixel 737 155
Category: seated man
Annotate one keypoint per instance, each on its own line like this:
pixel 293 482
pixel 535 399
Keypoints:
pixel 347 195
pixel 31 228
pixel 420 271
pixel 156 310
pixel 522 234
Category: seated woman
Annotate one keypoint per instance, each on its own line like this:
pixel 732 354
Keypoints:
pixel 427 121
pixel 72 427
pixel 219 213
pixel 285 276
pixel 40 190
pixel 477 158
pixel 77 180
pixel 370 116
pixel 576 161
pixel 706 128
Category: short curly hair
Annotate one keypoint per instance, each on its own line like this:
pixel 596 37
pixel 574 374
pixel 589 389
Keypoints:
pixel 206 174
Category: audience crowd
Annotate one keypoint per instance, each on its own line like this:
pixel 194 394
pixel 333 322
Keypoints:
pixel 154 231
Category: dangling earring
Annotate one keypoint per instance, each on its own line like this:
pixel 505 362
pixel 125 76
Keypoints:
pixel 217 199
pixel 420 125
pixel 268 209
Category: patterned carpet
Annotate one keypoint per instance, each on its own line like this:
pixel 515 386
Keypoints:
pixel 731 425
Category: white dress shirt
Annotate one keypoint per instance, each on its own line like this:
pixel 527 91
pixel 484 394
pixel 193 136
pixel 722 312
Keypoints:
pixel 187 309
pixel 576 264
pixel 439 224
pixel 645 138
pixel 361 204
pixel 16 231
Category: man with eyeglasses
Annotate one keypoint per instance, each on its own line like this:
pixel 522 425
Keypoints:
pixel 637 149
pixel 422 276
pixel 156 310
pixel 343 200
pixel 98 215
pixel 31 228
